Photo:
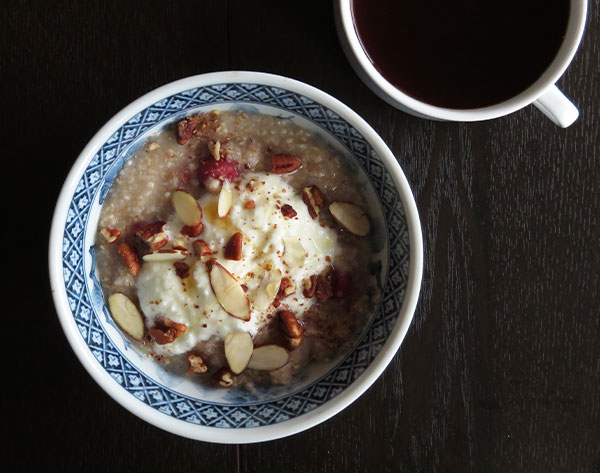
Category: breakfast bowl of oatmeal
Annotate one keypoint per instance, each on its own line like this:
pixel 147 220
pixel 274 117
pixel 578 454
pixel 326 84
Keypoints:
pixel 235 257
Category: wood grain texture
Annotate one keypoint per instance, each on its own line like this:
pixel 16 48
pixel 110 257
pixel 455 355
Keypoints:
pixel 500 370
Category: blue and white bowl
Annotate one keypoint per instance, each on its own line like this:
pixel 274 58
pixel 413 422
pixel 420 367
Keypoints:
pixel 174 403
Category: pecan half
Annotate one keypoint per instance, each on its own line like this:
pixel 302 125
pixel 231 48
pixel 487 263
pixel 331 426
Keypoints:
pixel 186 128
pixel 288 211
pixel 289 324
pixel 130 258
pixel 196 364
pixel 166 331
pixel 313 198
pixel 233 249
pixel 284 163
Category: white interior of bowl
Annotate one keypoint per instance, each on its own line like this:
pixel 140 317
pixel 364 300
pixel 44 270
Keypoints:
pixel 208 433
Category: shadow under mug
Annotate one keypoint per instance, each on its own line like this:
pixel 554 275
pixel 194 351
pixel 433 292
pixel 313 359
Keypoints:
pixel 543 93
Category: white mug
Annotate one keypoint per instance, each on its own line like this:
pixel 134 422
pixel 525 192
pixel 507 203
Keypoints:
pixel 542 93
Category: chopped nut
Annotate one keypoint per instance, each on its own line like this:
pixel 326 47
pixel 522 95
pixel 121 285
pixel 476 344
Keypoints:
pixel 110 234
pixel 288 211
pixel 313 198
pixel 293 342
pixel 130 258
pixel 201 248
pixel 182 269
pixel 196 364
pixel 215 149
pixel 233 249
pixel 153 234
pixel 249 204
pixel 186 128
pixel 310 286
pixel 166 331
pixel 153 146
pixel 286 288
pixel 224 378
pixel 324 286
pixel 289 324
pixel 192 231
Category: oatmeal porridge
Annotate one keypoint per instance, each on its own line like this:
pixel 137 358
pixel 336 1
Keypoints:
pixel 236 245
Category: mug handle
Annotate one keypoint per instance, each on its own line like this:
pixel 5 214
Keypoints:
pixel 557 107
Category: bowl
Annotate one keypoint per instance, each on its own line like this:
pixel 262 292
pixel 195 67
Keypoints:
pixel 171 402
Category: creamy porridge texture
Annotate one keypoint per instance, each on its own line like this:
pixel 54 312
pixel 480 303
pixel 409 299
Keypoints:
pixel 238 245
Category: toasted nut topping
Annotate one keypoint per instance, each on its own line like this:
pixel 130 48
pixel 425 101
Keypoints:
pixel 324 286
pixel 289 324
pixel 215 149
pixel 130 258
pixel 268 358
pixel 310 286
pixel 313 198
pixel 223 378
pixel 201 248
pixel 249 205
pixel 286 288
pixel 153 234
pixel 153 146
pixel 294 254
pixel 268 290
pixel 225 200
pixel 196 364
pixel 284 164
pixel 182 269
pixel 233 249
pixel 166 331
pixel 110 234
pixel 351 218
pixel 126 315
pixel 186 207
pixel 238 350
pixel 165 255
pixel 229 292
pixel 288 211
pixel 192 231
pixel 186 128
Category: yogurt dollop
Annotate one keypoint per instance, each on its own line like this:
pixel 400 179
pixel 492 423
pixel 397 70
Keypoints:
pixel 274 247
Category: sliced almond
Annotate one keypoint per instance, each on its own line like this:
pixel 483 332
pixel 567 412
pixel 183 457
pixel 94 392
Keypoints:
pixel 350 217
pixel 186 207
pixel 165 255
pixel 215 149
pixel 294 254
pixel 127 315
pixel 225 200
pixel 238 350
pixel 268 358
pixel 268 290
pixel 229 292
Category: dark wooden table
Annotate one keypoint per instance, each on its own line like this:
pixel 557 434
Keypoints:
pixel 500 370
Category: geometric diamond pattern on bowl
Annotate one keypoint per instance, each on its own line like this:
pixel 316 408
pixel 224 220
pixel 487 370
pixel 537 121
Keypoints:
pixel 96 179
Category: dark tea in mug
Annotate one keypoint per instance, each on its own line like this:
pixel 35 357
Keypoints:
pixel 461 54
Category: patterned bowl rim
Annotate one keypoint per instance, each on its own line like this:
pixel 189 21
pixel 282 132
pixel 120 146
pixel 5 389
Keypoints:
pixel 301 422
